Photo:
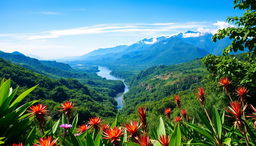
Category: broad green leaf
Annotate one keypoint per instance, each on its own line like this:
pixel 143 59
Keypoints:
pixel 176 136
pixel 55 127
pixel 217 122
pixel 74 123
pixel 202 131
pixel 97 140
pixel 7 102
pixel 205 120
pixel 161 128
pixel 89 140
pixel 227 141
pixel 4 91
pixel 22 96
pixel 114 124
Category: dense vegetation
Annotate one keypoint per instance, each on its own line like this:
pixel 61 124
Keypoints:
pixel 53 91
pixel 209 101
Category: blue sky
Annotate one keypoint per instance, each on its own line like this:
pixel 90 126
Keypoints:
pixel 58 28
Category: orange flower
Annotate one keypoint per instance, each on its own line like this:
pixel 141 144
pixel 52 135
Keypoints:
pixel 143 116
pixel 132 127
pixel 167 112
pixel 144 140
pixel 241 91
pixel 113 134
pixel 19 144
pixel 184 113
pixel 201 95
pixel 46 141
pixel 177 119
pixel 224 82
pixel 164 140
pixel 83 128
pixel 177 100
pixel 95 121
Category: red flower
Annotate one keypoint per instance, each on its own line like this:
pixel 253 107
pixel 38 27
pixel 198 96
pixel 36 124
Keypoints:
pixel 177 119
pixel 83 128
pixel 113 134
pixel 177 100
pixel 132 127
pixel 224 82
pixel 104 127
pixel 19 144
pixel 241 91
pixel 167 112
pixel 95 121
pixel 39 111
pixel 201 95
pixel 67 107
pixel 236 110
pixel 46 141
pixel 144 140
pixel 184 113
pixel 143 116
pixel 164 140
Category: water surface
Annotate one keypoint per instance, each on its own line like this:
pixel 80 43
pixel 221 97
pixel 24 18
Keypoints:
pixel 104 72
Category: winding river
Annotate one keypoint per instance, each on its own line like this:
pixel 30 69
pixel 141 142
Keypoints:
pixel 105 73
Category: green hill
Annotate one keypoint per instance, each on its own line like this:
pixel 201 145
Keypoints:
pixel 52 91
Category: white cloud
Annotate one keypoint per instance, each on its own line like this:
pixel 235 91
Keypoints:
pixel 108 28
pixel 222 24
pixel 81 40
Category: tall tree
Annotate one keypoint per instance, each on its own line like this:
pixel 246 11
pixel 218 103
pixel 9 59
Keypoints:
pixel 244 34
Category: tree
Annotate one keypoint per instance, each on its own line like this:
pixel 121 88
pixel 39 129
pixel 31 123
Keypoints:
pixel 244 35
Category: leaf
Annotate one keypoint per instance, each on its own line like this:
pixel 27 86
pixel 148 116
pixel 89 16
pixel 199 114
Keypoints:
pixel 201 131
pixel 115 122
pixel 217 122
pixel 4 91
pixel 227 141
pixel 55 127
pixel 176 136
pixel 74 123
pixel 31 136
pixel 97 140
pixel 89 140
pixel 22 96
pixel 161 128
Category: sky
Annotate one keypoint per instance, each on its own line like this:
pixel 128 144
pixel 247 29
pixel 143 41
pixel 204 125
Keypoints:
pixel 53 29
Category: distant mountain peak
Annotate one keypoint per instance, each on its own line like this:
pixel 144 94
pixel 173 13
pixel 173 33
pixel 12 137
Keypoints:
pixel 189 34
pixel 17 53
pixel 150 41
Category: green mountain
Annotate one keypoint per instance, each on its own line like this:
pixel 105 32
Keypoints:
pixel 50 68
pixel 88 101
pixel 157 83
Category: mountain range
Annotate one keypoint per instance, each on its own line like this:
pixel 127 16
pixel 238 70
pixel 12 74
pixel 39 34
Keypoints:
pixel 163 50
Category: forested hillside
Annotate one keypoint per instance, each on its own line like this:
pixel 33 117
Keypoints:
pixel 90 100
